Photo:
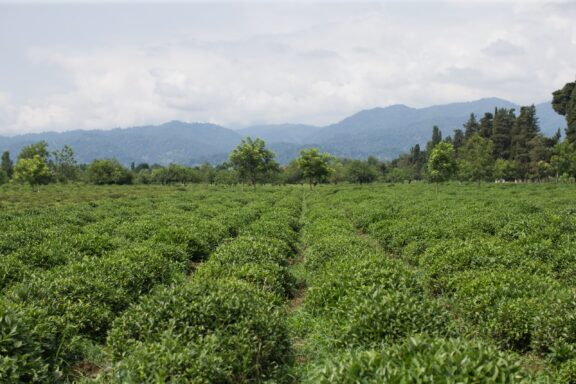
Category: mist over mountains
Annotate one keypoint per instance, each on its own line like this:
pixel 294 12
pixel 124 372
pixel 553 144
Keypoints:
pixel 381 132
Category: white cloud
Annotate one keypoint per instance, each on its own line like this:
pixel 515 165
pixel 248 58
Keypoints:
pixel 284 63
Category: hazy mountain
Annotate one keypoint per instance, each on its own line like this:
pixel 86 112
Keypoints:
pixel 382 132
pixel 173 142
pixel 281 133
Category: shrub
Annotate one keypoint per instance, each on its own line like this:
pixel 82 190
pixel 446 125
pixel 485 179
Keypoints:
pixel 371 316
pixel 422 360
pixel 555 327
pixel 91 292
pixel 246 249
pixel 330 247
pixel 478 293
pixel 33 345
pixel 342 277
pixel 200 311
pixel 267 276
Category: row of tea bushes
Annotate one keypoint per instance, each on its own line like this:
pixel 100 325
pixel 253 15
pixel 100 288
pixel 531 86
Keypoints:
pixel 37 240
pixel 227 324
pixel 504 263
pixel 50 316
pixel 370 317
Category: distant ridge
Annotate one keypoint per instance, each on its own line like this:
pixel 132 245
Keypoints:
pixel 172 142
pixel 383 132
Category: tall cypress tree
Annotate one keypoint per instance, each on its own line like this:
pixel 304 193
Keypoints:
pixel 459 139
pixel 471 127
pixel 486 125
pixel 7 165
pixel 525 130
pixel 503 124
pixel 436 139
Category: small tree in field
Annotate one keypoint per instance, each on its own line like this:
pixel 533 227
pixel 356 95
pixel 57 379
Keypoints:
pixel 315 166
pixel 33 171
pixel 108 171
pixel 441 163
pixel 477 163
pixel 361 172
pixel 252 160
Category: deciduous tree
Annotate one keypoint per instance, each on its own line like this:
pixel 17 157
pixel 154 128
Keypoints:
pixel 361 172
pixel 108 171
pixel 33 171
pixel 252 160
pixel 441 163
pixel 65 166
pixel 476 160
pixel 315 166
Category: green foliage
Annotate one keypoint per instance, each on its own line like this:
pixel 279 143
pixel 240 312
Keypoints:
pixel 259 261
pixel 65 166
pixel 564 102
pixel 215 358
pixel 476 159
pixel 471 127
pixel 108 171
pixel 39 149
pixel 555 327
pixel 3 177
pixel 441 164
pixel 240 325
pixel 33 171
pixel 502 126
pixel 315 166
pixel 32 345
pixel 174 173
pixel 361 172
pixel 505 169
pixel 6 165
pixel 435 140
pixel 381 264
pixel 86 298
pixel 370 316
pixel 252 160
pixel 423 360
pixel 567 372
pixel 564 159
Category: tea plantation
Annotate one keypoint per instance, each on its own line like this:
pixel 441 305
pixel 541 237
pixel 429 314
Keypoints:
pixel 340 284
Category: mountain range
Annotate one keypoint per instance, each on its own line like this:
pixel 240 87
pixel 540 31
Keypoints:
pixel 381 132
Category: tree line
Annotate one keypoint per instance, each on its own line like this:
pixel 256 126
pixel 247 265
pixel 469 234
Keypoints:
pixel 249 163
pixel 501 145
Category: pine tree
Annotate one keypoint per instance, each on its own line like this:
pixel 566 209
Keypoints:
pixel 486 125
pixel 7 165
pixel 539 153
pixel 503 124
pixel 471 127
pixel 459 139
pixel 525 130
pixel 436 139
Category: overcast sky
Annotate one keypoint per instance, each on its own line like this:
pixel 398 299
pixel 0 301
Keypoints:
pixel 84 65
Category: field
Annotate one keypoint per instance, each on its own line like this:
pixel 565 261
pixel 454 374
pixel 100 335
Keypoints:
pixel 342 284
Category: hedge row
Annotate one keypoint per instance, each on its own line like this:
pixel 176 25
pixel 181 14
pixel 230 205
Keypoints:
pixel 363 309
pixel 34 241
pixel 53 313
pixel 225 325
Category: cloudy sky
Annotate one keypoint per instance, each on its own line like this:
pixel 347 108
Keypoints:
pixel 82 65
